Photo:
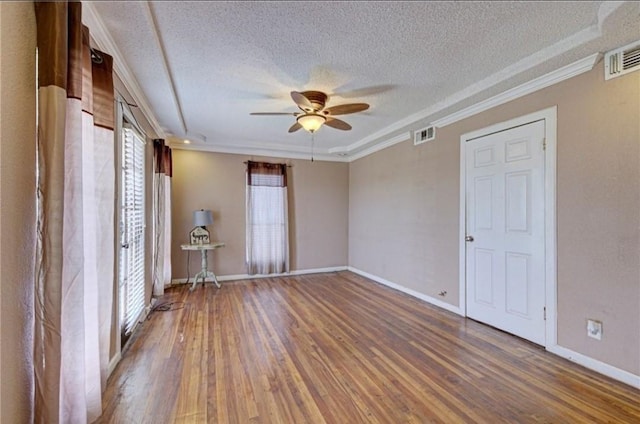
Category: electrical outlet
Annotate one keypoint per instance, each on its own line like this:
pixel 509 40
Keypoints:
pixel 594 329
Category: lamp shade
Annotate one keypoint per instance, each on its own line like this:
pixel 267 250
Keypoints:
pixel 311 121
pixel 202 218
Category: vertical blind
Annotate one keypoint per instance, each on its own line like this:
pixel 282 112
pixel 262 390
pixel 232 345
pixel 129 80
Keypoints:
pixel 132 230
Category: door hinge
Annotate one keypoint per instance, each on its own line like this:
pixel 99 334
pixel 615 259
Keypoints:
pixel 544 311
pixel 544 144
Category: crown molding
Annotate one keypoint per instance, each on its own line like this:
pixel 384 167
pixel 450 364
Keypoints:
pixel 352 152
pixel 282 152
pixel 165 65
pixel 105 42
pixel 561 47
pixel 369 144
pixel 379 146
pixel 554 77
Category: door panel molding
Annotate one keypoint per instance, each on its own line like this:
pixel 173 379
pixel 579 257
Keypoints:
pixel 549 116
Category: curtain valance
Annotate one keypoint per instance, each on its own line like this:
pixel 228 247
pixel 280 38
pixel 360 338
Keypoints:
pixel 163 157
pixel 266 174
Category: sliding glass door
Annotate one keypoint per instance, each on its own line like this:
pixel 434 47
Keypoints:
pixel 132 231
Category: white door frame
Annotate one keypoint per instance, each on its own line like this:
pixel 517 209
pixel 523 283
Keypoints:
pixel 123 114
pixel 549 116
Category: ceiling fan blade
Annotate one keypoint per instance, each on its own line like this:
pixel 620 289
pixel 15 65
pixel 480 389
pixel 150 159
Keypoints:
pixel 345 109
pixel 273 113
pixel 301 100
pixel 337 124
pixel 295 127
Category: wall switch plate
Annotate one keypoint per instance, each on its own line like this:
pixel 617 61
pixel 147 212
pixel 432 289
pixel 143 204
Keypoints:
pixel 594 329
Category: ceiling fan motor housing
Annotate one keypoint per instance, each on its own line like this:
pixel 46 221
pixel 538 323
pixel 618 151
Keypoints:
pixel 317 98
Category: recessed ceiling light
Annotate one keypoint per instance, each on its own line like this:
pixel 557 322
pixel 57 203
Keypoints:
pixel 187 141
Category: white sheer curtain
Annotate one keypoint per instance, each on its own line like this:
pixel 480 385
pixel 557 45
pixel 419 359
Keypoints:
pixel 76 206
pixel 267 219
pixel 161 216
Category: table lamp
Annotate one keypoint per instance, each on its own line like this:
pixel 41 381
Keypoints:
pixel 200 234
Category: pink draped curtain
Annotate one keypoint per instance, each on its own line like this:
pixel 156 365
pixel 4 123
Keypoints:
pixel 76 207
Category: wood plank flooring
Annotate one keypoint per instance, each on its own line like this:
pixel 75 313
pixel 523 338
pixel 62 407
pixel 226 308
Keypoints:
pixel 338 348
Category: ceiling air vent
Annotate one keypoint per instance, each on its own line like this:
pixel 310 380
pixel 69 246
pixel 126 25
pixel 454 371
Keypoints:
pixel 425 134
pixel 622 61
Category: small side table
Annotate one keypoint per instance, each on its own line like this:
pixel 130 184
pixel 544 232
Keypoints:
pixel 204 272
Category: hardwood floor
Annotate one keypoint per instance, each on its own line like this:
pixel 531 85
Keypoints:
pixel 338 348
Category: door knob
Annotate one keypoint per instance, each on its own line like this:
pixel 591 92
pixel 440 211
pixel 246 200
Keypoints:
pixel 468 238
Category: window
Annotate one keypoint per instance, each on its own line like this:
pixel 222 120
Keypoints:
pixel 267 219
pixel 132 230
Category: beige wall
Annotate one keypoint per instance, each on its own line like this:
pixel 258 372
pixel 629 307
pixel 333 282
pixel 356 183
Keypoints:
pixel 402 216
pixel 17 214
pixel 318 203
pixel 404 209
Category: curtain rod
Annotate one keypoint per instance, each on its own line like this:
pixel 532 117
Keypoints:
pixel 288 166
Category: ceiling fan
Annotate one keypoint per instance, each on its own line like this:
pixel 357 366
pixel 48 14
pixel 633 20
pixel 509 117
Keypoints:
pixel 314 115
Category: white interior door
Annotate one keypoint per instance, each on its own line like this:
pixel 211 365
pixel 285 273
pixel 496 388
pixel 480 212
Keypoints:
pixel 505 229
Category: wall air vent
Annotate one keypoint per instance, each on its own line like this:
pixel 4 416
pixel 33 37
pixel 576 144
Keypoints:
pixel 622 61
pixel 424 134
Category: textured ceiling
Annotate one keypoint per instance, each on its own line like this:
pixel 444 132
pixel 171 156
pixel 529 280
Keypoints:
pixel 202 67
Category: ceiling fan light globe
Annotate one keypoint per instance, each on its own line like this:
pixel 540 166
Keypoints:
pixel 311 121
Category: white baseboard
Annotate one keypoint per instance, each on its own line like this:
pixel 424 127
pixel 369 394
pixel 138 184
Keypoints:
pixel 597 366
pixel 580 359
pixel 235 277
pixel 113 363
pixel 421 296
